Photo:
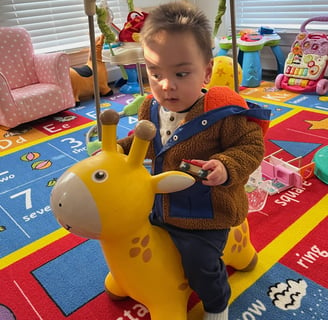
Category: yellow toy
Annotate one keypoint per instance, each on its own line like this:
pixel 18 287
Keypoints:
pixel 223 74
pixel 82 77
pixel 109 197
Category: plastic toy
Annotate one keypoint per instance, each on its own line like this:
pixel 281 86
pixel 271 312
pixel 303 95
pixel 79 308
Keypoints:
pixel 129 53
pixel 193 167
pixel 257 190
pixel 321 164
pixel 109 197
pixel 223 74
pixel 306 67
pixel 283 174
pixel 250 43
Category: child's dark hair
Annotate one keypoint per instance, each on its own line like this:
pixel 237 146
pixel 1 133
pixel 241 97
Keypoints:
pixel 176 17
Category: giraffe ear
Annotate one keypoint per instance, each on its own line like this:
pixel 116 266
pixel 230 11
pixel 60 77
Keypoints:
pixel 172 181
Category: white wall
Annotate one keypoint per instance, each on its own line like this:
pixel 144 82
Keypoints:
pixel 209 7
pixel 148 3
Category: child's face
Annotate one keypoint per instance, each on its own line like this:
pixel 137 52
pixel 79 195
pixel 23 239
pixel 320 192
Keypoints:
pixel 176 70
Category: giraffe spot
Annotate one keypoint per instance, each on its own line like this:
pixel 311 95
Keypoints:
pixel 234 248
pixel 244 227
pixel 238 235
pixel 147 255
pixel 135 240
pixel 134 252
pixel 183 286
pixel 145 241
pixel 244 242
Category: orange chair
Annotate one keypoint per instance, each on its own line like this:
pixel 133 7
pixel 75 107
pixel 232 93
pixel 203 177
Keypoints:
pixel 32 85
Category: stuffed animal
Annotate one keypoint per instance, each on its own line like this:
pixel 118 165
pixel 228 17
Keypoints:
pixel 82 77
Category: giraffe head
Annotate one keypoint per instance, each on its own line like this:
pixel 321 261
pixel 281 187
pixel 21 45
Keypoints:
pixel 111 194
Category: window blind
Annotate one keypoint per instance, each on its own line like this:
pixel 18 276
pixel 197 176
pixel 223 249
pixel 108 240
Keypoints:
pixel 56 25
pixel 280 14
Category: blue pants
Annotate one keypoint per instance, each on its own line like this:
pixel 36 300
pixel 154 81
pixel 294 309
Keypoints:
pixel 201 252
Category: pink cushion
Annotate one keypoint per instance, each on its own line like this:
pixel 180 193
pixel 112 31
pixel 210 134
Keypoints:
pixel 37 100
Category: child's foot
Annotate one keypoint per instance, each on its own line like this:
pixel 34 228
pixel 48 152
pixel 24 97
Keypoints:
pixel 217 316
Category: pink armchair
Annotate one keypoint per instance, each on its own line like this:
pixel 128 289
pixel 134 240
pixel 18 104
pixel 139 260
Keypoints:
pixel 32 85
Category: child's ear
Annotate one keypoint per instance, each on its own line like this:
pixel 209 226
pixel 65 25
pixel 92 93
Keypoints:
pixel 208 72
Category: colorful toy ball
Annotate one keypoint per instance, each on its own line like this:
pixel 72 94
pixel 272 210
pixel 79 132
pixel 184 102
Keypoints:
pixel 222 74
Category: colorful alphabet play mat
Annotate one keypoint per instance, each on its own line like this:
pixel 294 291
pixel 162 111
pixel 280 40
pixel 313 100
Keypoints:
pixel 47 273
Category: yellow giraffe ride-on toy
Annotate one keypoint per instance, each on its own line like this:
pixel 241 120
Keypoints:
pixel 109 197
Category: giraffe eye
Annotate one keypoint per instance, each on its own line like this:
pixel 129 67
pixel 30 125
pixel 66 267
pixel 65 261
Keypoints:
pixel 100 176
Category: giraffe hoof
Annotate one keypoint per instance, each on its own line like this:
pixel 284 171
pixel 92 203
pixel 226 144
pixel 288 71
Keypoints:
pixel 251 265
pixel 115 297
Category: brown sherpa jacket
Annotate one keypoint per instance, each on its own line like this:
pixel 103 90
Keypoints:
pixel 225 133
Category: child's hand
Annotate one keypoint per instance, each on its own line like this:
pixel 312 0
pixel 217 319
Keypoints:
pixel 217 172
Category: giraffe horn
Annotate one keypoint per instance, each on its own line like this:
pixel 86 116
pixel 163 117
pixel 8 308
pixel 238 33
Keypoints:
pixel 144 132
pixel 109 120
